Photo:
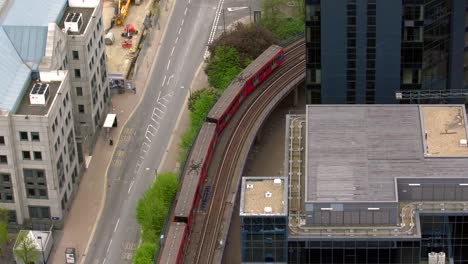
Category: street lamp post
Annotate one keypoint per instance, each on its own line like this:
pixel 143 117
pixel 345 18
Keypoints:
pixel 42 250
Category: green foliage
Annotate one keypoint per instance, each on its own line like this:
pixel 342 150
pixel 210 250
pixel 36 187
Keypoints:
pixel 223 66
pixel 198 93
pixel 152 207
pixel 144 254
pixel 282 20
pixel 25 248
pixel 3 228
pixel 249 41
pixel 202 101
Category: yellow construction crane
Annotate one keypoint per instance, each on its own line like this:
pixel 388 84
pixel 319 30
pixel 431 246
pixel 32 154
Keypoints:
pixel 122 11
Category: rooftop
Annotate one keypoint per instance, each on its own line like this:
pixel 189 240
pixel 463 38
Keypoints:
pixel 263 196
pixel 445 127
pixel 26 108
pixel 23 36
pixel 86 11
pixel 355 152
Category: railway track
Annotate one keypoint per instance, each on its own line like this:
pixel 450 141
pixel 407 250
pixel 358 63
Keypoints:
pixel 292 68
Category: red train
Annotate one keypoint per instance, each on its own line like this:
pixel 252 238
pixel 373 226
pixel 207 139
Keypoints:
pixel 176 241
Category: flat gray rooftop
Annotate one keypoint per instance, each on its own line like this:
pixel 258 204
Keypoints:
pixel 355 152
pixel 26 108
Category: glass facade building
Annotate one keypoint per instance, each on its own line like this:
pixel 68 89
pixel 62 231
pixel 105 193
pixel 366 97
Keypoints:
pixel 446 233
pixel 264 239
pixel 364 51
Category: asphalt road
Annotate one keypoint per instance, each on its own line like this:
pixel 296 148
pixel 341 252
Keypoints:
pixel 144 139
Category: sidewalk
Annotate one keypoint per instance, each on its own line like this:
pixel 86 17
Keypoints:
pixel 87 205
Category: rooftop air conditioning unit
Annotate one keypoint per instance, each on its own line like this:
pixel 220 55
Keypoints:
pixel 432 258
pixel 463 142
pixel 39 94
pixel 277 182
pixel 441 259
pixel 268 210
pixel 268 194
pixel 73 22
pixel 249 186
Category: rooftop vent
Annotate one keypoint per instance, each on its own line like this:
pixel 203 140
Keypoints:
pixel 249 186
pixel 268 210
pixel 39 94
pixel 463 142
pixel 73 22
pixel 268 194
pixel 277 182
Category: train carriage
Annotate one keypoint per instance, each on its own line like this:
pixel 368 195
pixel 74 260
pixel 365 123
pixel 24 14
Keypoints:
pixel 175 244
pixel 243 85
pixel 195 173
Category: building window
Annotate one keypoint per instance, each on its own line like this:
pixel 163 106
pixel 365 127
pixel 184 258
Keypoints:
pixel 39 212
pixel 79 91
pixel 11 217
pixel 35 136
pixel 23 135
pixel 76 56
pixel 77 73
pixel 35 183
pixel 37 155
pixel 26 155
pixel 81 109
pixel 2 140
pixel 3 159
pixel 6 188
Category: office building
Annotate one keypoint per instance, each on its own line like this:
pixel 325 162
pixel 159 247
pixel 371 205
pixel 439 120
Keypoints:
pixel 54 96
pixel 370 184
pixel 380 51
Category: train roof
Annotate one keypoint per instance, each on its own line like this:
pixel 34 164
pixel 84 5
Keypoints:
pixel 233 88
pixel 172 242
pixel 192 170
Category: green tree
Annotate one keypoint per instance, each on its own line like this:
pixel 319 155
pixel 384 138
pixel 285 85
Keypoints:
pixel 25 248
pixel 198 93
pixel 249 41
pixel 223 67
pixel 3 228
pixel 152 207
pixel 144 254
pixel 201 105
pixel 282 20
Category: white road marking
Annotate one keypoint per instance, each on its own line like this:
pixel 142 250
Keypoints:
pixel 108 247
pixel 172 52
pixel 159 110
pixel 214 27
pixel 168 64
pixel 169 80
pixel 177 39
pixel 180 29
pixel 185 12
pixel 162 84
pixel 182 87
pixel 182 22
pixel 104 261
pixel 129 188
pixel 116 225
pixel 231 9
pixel 147 147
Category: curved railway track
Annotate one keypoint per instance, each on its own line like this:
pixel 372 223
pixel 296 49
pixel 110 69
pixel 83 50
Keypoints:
pixel 292 68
